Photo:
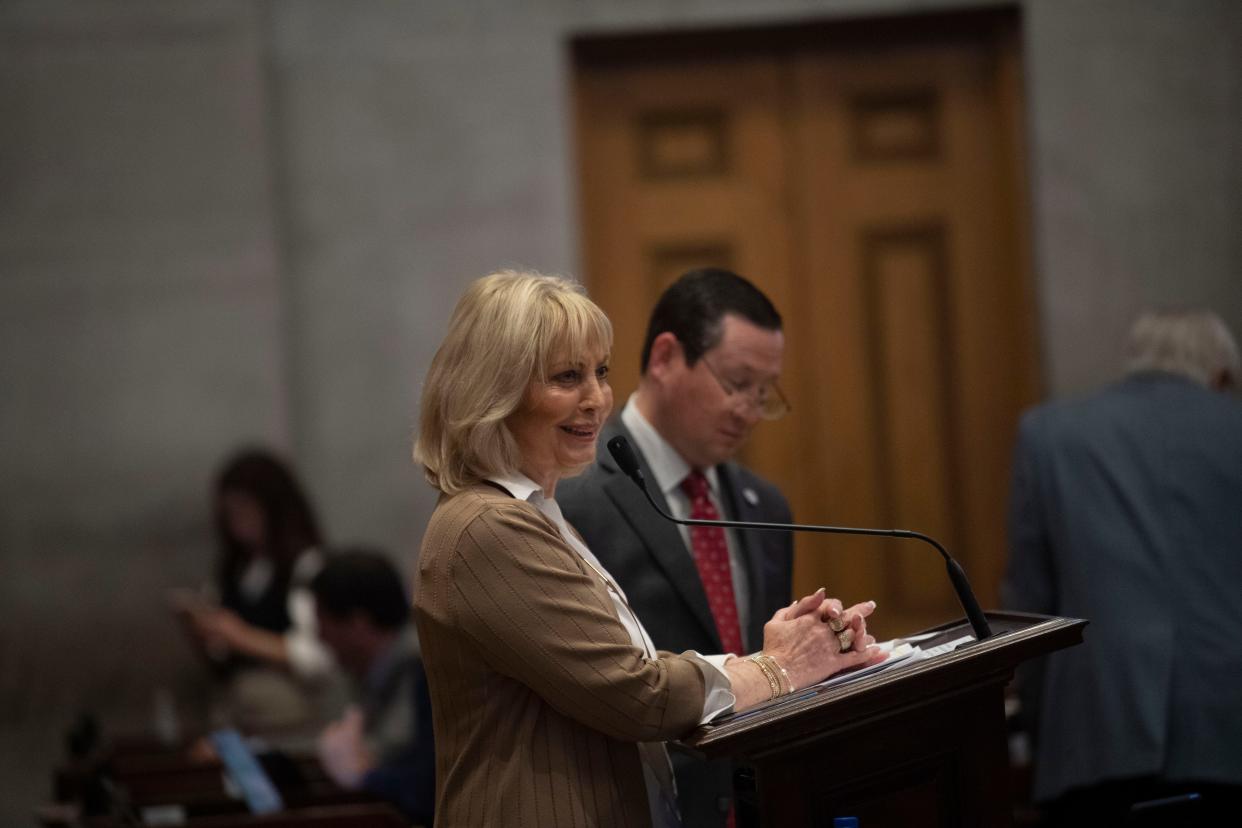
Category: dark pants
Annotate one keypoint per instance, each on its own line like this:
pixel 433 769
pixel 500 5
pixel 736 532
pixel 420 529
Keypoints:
pixel 1147 802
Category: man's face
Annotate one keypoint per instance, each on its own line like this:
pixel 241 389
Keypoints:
pixel 344 636
pixel 705 423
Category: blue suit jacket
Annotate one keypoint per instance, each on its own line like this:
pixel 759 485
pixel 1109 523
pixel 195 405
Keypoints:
pixel 649 559
pixel 1126 509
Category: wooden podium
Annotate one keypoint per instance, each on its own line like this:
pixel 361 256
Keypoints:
pixel 921 743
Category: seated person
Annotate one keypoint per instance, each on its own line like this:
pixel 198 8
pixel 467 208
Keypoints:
pixel 383 744
pixel 279 680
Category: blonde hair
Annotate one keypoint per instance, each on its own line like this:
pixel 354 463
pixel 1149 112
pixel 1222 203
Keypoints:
pixel 1194 344
pixel 503 335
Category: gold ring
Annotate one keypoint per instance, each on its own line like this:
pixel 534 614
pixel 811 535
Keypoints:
pixel 836 624
pixel 845 638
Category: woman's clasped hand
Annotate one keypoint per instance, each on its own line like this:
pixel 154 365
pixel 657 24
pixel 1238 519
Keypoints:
pixel 811 639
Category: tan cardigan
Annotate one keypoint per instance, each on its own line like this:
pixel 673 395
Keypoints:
pixel 538 694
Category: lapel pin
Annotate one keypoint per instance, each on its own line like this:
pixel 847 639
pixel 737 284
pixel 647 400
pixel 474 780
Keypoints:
pixel 751 497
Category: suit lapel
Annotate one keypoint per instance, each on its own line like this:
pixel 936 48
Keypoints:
pixel 661 537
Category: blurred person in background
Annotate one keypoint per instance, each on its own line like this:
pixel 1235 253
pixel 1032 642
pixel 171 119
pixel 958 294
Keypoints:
pixel 1126 509
pixel 258 629
pixel 383 744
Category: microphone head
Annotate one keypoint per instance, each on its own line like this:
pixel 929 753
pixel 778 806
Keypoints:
pixel 623 453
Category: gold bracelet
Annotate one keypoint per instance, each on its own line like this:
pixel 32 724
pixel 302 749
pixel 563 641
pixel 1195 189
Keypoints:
pixel 774 684
pixel 772 669
pixel 789 685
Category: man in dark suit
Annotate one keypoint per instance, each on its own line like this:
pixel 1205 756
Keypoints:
pixel 710 362
pixel 1126 509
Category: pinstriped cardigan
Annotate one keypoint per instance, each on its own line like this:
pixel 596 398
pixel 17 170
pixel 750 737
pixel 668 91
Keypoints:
pixel 538 694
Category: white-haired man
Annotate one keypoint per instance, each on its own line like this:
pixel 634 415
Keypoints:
pixel 1126 509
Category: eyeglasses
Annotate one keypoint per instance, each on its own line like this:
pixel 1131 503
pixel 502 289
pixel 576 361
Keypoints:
pixel 766 398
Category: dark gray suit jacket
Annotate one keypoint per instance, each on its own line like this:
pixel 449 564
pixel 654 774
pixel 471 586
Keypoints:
pixel 1126 509
pixel 649 559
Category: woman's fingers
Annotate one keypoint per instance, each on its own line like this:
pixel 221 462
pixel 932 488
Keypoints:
pixel 850 617
pixel 831 610
pixel 830 613
pixel 860 610
pixel 838 618
pixel 846 638
pixel 853 634
pixel 803 606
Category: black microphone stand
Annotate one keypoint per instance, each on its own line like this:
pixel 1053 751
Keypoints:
pixel 624 455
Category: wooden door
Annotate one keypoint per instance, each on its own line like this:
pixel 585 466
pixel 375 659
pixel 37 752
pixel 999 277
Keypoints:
pixel 683 167
pixel 870 185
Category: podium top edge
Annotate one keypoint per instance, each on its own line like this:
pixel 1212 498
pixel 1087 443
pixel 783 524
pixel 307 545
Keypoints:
pixel 1016 637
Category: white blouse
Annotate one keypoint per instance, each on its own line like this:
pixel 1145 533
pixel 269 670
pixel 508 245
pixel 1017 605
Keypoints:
pixel 309 658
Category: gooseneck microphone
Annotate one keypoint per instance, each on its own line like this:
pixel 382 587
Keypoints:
pixel 624 455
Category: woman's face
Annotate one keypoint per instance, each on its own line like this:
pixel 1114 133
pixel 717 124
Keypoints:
pixel 559 421
pixel 243 519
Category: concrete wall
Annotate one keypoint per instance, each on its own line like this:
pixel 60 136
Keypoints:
pixel 142 326
pixel 1135 118
pixel 235 221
